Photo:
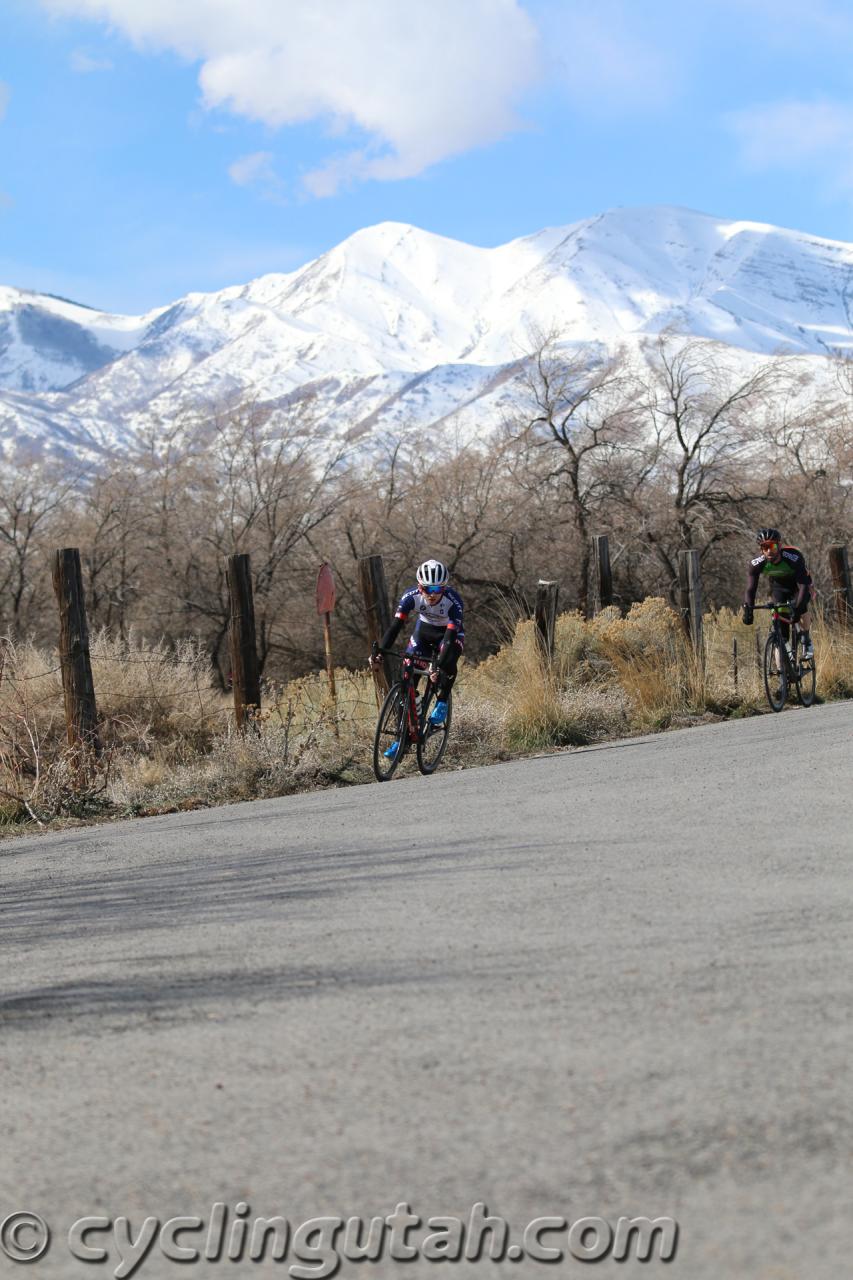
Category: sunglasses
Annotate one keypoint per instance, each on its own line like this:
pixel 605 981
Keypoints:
pixel 768 546
pixel 432 591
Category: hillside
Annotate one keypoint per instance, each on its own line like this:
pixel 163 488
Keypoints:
pixel 398 327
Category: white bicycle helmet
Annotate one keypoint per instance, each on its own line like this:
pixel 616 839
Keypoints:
pixel 433 575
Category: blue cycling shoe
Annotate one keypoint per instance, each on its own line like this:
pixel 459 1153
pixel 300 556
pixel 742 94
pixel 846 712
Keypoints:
pixel 438 715
pixel 391 753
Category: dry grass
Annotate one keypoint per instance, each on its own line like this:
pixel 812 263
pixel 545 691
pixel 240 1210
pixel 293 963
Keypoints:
pixel 169 741
pixel 153 694
pixel 834 660
pixel 536 705
pixel 154 704
pixel 615 675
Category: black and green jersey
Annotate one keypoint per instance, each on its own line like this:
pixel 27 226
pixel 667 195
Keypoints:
pixel 787 578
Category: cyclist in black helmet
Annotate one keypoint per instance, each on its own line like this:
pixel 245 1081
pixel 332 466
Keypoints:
pixel 438 631
pixel 790 581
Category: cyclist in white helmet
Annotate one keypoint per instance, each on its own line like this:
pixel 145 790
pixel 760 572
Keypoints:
pixel 438 630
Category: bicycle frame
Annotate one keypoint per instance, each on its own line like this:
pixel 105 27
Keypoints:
pixel 792 671
pixel 413 668
pixel 409 719
pixel 789 647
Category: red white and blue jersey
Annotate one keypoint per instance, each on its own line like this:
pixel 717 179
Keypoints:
pixel 434 620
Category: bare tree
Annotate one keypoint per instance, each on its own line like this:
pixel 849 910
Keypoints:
pixel 584 405
pixel 254 481
pixel 112 536
pixel 810 447
pixel 702 468
pixel 31 500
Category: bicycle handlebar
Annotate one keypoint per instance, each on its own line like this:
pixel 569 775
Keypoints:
pixel 376 650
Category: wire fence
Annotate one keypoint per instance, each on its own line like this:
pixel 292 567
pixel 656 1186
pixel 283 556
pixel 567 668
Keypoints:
pixel 157 689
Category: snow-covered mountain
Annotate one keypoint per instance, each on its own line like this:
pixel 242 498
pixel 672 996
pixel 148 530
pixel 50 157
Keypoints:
pixel 397 326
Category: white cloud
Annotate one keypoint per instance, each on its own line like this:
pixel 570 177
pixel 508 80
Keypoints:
pixel 257 170
pixel 256 167
pixel 418 81
pixel 813 136
pixel 84 63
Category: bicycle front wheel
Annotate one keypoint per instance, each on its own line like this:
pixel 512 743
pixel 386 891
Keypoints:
pixel 775 672
pixel 432 738
pixel 392 726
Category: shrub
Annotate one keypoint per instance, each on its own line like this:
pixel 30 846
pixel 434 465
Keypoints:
pixel 170 743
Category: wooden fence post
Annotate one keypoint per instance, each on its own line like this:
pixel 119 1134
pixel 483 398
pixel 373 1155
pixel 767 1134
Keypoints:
pixel 325 599
pixel 841 587
pixel 545 617
pixel 602 578
pixel 245 677
pixel 371 575
pixel 81 713
pixel 690 582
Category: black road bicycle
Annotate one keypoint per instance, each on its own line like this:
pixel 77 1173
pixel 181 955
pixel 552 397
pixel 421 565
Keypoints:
pixel 404 719
pixel 784 664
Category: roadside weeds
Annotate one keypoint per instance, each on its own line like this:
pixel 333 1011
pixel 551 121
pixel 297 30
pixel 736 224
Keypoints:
pixel 169 743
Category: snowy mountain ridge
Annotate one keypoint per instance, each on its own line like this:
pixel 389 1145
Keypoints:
pixel 396 326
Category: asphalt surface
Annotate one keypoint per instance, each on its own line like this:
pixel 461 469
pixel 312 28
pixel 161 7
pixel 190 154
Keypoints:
pixel 611 982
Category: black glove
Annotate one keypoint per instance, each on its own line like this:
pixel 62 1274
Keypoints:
pixel 746 615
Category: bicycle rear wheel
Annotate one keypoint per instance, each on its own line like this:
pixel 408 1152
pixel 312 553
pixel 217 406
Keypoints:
pixel 806 677
pixel 433 737
pixel 392 726
pixel 775 671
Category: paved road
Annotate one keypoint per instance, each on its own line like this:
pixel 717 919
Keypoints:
pixel 609 982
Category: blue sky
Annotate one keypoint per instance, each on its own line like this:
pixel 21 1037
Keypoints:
pixel 153 147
